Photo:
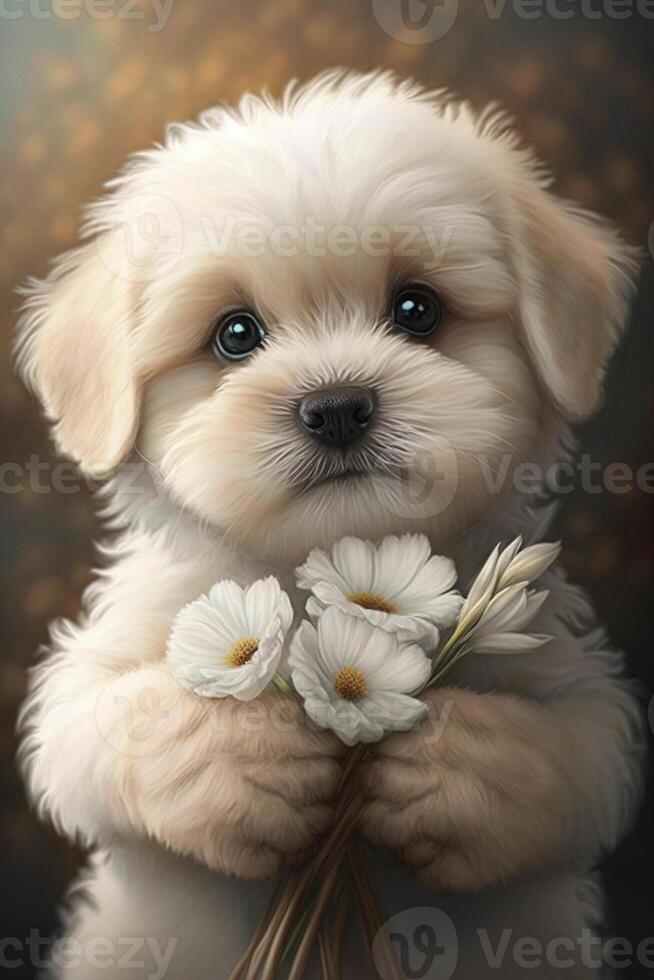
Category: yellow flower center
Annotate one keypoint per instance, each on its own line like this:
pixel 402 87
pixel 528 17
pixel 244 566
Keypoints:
pixel 243 651
pixel 350 684
pixel 370 600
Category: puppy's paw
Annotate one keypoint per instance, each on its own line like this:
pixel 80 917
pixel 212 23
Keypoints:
pixel 453 865
pixel 474 795
pixel 244 788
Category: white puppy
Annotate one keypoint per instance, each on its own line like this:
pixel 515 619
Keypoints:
pixel 278 316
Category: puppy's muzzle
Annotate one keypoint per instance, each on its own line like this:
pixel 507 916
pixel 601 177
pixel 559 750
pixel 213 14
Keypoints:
pixel 337 417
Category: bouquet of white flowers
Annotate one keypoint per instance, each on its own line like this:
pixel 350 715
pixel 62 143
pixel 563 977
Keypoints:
pixel 371 645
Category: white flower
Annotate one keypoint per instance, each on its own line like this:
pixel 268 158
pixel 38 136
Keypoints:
pixel 499 606
pixel 398 586
pixel 355 679
pixel 500 625
pixel 229 641
pixel 502 569
pixel 529 564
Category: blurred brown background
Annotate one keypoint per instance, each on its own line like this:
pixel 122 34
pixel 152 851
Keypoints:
pixel 79 93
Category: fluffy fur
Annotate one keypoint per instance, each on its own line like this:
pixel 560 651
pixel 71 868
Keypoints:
pixel 526 769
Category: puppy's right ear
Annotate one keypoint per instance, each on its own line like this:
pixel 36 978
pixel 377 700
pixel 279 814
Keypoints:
pixel 575 279
pixel 74 351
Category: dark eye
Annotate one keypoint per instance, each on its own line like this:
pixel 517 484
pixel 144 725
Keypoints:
pixel 417 309
pixel 237 335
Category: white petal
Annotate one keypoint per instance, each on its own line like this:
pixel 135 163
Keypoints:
pixel 304 652
pixel 419 631
pixel 442 610
pixel 375 617
pixel 344 640
pixel 354 561
pixel 285 612
pixel 352 723
pixel 404 671
pixel 305 681
pixel 319 567
pixel 400 570
pixel 407 628
pixel 340 639
pixel 280 621
pixel 318 707
pixel 314 607
pixel 431 584
pixel 508 643
pixel 398 561
pixel 262 600
pixel 206 629
pixel 228 601
pixel 245 682
pixel 394 712
pixel 534 601
pixel 482 587
pixel 330 594
pixel 512 608
pixel 531 563
pixel 506 557
pixel 200 635
pixel 436 576
pixel 503 609
pixel 308 673
pixel 414 627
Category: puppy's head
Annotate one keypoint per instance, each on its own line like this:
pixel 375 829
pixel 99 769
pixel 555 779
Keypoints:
pixel 346 313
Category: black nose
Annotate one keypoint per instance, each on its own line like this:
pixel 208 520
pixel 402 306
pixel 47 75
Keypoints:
pixel 337 416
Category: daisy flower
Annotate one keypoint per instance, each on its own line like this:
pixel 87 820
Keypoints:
pixel 229 641
pixel 356 679
pixel 399 586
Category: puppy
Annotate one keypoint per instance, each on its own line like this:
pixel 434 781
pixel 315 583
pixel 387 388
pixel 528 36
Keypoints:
pixel 356 311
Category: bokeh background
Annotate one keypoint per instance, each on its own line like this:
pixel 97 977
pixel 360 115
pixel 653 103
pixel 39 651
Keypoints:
pixel 78 94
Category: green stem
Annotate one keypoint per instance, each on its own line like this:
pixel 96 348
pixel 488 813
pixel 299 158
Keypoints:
pixel 297 933
pixel 456 638
pixel 282 684
pixel 437 677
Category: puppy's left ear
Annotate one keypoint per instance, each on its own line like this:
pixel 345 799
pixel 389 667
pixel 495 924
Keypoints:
pixel 74 351
pixel 575 279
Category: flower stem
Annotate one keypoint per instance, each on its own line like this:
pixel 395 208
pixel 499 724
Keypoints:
pixel 457 637
pixel 282 684
pixel 444 671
